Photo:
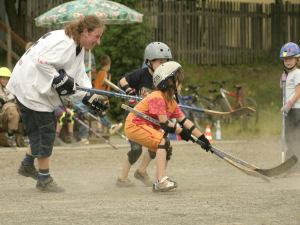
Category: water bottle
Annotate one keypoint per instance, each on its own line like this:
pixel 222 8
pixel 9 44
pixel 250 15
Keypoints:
pixel 218 130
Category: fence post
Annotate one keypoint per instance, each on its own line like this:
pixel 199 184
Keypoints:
pixel 244 101
pixel 8 42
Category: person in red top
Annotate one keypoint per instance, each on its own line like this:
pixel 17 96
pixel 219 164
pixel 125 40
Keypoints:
pixel 160 105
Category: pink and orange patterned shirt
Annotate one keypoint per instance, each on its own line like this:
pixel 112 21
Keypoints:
pixel 153 105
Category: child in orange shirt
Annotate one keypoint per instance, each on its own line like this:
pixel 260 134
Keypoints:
pixel 105 63
pixel 160 105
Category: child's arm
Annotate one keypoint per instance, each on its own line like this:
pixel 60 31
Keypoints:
pixel 189 125
pixel 185 122
pixel 297 94
pixel 185 131
pixel 286 108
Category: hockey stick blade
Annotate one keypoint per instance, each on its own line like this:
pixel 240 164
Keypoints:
pixel 236 113
pixel 266 172
pixel 283 167
pixel 246 171
pixel 241 111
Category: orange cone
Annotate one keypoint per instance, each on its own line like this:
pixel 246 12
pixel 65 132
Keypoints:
pixel 208 133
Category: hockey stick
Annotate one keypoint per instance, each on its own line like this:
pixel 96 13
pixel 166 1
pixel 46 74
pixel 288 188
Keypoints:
pixel 242 165
pixel 217 152
pixel 107 82
pixel 283 80
pixel 89 128
pixel 94 117
pixel 235 113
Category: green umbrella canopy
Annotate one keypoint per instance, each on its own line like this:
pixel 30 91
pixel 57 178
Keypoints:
pixel 109 12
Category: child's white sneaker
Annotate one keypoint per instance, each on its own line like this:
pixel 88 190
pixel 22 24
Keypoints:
pixel 166 184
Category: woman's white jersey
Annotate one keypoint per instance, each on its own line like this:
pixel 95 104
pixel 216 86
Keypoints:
pixel 32 77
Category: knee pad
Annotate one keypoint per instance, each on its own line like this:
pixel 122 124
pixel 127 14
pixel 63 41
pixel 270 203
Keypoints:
pixel 134 153
pixel 167 146
pixel 152 154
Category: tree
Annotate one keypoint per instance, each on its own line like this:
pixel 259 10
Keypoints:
pixel 125 44
pixel 16 16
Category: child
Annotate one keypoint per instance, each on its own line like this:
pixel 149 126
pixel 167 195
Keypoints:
pixel 160 105
pixel 64 118
pixel 99 84
pixel 10 115
pixel 140 82
pixel 290 53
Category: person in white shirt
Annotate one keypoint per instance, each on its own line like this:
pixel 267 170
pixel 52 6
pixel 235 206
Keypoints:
pixel 290 53
pixel 49 69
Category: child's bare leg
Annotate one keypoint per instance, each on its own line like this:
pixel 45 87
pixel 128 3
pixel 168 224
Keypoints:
pixel 161 155
pixel 70 127
pixel 58 128
pixel 126 168
pixel 145 162
pixel 104 129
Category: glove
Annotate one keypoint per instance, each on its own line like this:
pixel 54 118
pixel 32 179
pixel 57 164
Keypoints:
pixel 286 108
pixel 185 134
pixel 131 92
pixel 96 103
pixel 204 142
pixel 64 84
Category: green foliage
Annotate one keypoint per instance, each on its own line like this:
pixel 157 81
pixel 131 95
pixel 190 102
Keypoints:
pixel 125 44
pixel 262 84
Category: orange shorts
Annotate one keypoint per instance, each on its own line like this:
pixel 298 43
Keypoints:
pixel 143 135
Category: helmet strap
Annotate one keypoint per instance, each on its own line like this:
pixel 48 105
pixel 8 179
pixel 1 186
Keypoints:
pixel 175 89
pixel 150 66
pixel 286 69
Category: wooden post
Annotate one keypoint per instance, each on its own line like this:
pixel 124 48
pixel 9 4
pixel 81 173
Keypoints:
pixel 244 102
pixel 8 42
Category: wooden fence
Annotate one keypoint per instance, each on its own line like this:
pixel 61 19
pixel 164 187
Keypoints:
pixel 222 32
pixel 207 31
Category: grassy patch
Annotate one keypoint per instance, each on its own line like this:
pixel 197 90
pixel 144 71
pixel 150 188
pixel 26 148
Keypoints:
pixel 262 84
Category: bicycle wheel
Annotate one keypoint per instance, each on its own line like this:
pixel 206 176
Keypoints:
pixel 222 106
pixel 252 118
pixel 201 120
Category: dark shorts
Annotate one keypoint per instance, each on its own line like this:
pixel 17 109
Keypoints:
pixel 41 130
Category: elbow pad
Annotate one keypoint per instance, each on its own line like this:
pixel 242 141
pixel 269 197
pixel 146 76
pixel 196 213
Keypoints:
pixel 168 129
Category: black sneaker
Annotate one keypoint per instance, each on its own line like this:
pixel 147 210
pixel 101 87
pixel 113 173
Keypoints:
pixel 28 170
pixel 48 185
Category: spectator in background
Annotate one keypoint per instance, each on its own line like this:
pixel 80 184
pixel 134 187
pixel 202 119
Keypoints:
pixel 105 64
pixel 64 118
pixel 10 116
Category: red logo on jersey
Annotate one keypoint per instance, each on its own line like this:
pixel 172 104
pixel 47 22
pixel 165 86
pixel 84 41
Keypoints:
pixel 41 61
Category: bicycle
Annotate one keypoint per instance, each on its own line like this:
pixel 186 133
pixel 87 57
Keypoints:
pixel 222 101
pixel 197 100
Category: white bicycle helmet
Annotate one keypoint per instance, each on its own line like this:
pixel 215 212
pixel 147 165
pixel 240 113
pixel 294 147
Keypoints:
pixel 163 72
pixel 157 50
